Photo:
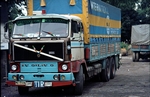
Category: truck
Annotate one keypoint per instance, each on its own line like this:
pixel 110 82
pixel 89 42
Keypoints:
pixel 140 42
pixel 64 43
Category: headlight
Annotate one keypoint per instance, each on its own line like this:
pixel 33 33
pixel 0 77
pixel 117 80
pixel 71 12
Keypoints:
pixel 63 77
pixel 55 77
pixel 14 67
pixel 64 67
pixel 14 77
pixel 68 47
pixel 21 77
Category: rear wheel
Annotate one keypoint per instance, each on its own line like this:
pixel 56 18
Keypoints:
pixel 98 77
pixel 105 74
pixel 79 78
pixel 23 90
pixel 133 56
pixel 112 68
pixel 137 56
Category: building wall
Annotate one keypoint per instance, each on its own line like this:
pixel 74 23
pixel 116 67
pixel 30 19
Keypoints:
pixel 4 18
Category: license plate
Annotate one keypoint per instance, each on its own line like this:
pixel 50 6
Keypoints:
pixel 28 83
pixel 48 84
pixel 38 83
pixel 20 82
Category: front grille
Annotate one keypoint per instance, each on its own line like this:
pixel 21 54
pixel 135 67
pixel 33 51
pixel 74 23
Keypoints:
pixel 31 51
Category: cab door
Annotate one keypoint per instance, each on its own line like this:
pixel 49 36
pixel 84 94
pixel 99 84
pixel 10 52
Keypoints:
pixel 77 43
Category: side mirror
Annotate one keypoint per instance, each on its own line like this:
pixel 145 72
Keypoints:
pixel 80 27
pixel 5 31
pixel 5 27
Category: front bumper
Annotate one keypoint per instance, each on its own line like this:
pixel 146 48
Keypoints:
pixel 40 79
pixel 53 84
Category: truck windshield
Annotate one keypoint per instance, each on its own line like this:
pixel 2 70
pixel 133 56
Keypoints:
pixel 49 27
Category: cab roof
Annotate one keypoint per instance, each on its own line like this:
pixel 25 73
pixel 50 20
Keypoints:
pixel 66 17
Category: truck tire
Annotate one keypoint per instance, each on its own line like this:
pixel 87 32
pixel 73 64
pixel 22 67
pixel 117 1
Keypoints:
pixel 112 68
pixel 23 90
pixel 133 57
pixel 98 77
pixel 137 56
pixel 105 74
pixel 79 78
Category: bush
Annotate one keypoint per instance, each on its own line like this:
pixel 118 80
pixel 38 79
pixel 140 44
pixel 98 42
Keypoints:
pixel 124 45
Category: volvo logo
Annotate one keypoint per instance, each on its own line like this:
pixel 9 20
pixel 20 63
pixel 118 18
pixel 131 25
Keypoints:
pixel 26 45
pixel 38 65
pixel 51 52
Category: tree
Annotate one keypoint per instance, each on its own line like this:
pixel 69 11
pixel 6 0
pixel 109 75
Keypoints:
pixel 129 17
pixel 144 11
pixel 122 4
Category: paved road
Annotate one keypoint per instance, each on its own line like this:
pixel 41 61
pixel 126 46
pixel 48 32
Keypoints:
pixel 132 80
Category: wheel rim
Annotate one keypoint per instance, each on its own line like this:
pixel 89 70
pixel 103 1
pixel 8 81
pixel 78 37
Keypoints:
pixel 108 70
pixel 133 56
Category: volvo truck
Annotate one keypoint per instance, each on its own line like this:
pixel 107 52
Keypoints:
pixel 64 43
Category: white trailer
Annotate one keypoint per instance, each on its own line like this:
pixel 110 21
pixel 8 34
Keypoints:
pixel 140 41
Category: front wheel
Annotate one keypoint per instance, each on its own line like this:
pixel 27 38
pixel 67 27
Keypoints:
pixel 79 78
pixel 23 90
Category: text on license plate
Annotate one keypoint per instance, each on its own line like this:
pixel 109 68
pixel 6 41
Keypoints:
pixel 20 83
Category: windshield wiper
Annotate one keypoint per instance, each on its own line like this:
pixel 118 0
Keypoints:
pixel 22 36
pixel 48 33
pixel 19 34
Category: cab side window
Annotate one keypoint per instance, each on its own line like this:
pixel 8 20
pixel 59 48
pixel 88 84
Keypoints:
pixel 80 27
pixel 74 27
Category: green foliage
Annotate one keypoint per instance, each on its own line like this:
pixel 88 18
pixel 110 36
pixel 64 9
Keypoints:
pixel 144 11
pixel 129 17
pixel 124 45
pixel 122 4
pixel 10 26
